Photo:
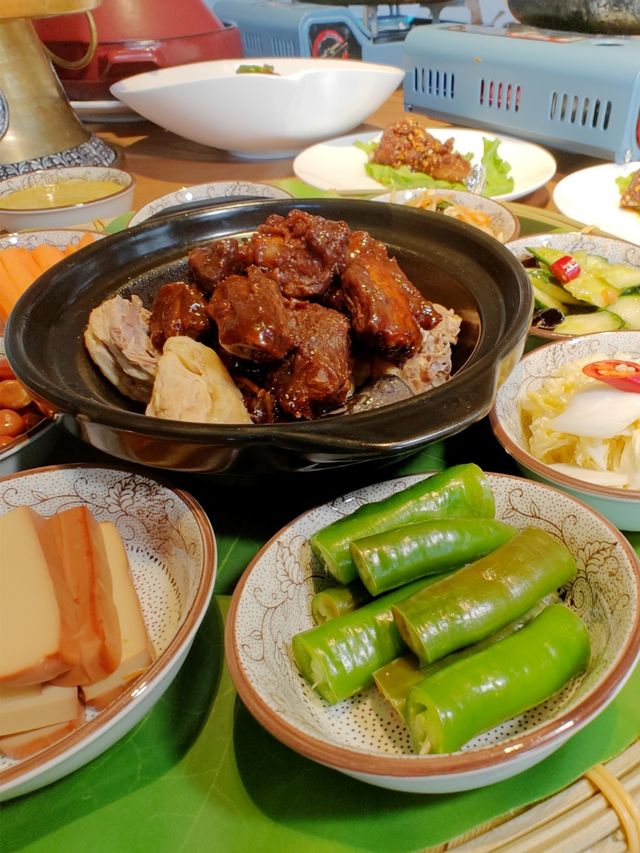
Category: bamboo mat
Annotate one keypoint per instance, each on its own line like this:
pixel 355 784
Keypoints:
pixel 579 818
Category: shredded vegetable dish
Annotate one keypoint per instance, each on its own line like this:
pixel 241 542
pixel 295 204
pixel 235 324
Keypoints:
pixel 583 428
pixel 439 204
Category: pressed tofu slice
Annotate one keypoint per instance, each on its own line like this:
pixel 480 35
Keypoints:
pixel 36 705
pixel 86 568
pixel 24 744
pixel 137 649
pixel 35 602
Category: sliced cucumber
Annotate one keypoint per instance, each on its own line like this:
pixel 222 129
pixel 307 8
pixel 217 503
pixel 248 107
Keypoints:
pixel 586 324
pixel 543 300
pixel 619 276
pixel 542 282
pixel 592 289
pixel 589 261
pixel 545 255
pixel 628 307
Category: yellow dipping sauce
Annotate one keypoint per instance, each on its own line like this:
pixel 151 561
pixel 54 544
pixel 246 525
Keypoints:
pixel 60 194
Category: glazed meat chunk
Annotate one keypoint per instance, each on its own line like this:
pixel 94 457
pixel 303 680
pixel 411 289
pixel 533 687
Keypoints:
pixel 379 310
pixel 408 143
pixel 301 252
pixel 178 309
pixel 208 265
pixel 316 376
pixel 251 316
pixel 365 247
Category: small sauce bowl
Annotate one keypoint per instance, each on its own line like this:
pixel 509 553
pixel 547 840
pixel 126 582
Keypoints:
pixel 59 198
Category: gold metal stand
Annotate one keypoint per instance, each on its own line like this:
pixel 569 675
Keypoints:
pixel 38 127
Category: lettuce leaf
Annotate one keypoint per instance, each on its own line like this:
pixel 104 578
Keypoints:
pixel 623 182
pixel 404 178
pixel 498 179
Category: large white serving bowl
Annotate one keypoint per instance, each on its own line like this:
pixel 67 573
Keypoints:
pixel 360 736
pixel 621 506
pixel 260 115
pixel 172 554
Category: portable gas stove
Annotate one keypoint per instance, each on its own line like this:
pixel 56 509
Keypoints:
pixel 569 90
pixel 323 28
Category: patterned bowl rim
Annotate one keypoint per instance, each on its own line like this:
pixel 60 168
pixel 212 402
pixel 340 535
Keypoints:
pixel 119 707
pixel 167 200
pixel 513 448
pixel 350 760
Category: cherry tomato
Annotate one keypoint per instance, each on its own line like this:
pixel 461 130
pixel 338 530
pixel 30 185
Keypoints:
pixel 31 417
pixel 11 423
pixel 6 440
pixel 5 370
pixel 13 395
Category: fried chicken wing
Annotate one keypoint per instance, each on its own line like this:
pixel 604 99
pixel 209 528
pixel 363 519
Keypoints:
pixel 178 309
pixel 316 376
pixel 301 252
pixel 251 317
pixel 408 143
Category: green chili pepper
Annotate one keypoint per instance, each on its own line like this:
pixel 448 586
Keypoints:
pixel 462 491
pixel 480 598
pixel 395 680
pixel 394 557
pixel 452 706
pixel 339 657
pixel 336 600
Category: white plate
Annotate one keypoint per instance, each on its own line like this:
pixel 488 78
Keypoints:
pixel 338 165
pixel 593 197
pixel 172 553
pixel 105 111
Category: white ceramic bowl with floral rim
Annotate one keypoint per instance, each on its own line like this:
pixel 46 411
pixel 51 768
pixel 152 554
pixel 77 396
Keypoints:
pixel 172 554
pixel 108 193
pixel 490 216
pixel 619 505
pixel 614 250
pixel 360 736
pixel 200 195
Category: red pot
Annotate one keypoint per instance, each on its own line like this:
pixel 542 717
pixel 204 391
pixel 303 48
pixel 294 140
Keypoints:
pixel 135 37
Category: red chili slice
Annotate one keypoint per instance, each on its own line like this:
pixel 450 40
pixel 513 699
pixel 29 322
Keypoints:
pixel 565 268
pixel 623 375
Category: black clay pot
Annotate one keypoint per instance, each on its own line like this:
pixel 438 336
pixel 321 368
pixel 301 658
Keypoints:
pixel 452 263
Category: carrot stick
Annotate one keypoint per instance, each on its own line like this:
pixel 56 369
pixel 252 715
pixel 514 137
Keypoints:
pixel 46 256
pixel 19 266
pixel 85 240
pixel 8 293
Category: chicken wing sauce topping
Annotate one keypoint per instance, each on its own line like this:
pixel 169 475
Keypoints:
pixel 300 319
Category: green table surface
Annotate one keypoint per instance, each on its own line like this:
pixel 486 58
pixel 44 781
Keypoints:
pixel 198 773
